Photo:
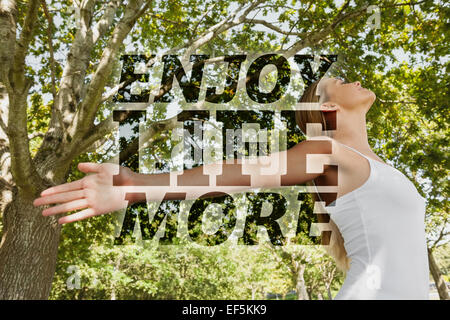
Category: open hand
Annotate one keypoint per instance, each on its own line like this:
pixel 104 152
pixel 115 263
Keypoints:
pixel 94 193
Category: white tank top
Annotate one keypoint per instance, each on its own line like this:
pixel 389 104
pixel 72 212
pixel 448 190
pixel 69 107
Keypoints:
pixel 383 226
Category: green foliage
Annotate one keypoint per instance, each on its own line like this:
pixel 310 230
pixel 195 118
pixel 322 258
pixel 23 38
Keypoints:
pixel 408 126
pixel 443 260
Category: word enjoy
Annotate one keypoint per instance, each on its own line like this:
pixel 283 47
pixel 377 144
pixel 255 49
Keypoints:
pixel 311 68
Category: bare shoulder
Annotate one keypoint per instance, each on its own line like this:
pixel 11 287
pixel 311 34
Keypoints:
pixel 312 154
pixel 325 150
pixel 341 155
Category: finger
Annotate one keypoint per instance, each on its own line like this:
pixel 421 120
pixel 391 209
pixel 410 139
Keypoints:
pixel 59 197
pixel 66 207
pixel 89 167
pixel 77 216
pixel 75 185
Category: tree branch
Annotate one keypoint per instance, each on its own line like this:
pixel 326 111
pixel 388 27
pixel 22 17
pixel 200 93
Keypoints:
pixel 89 106
pixel 72 78
pixel 72 81
pixel 273 27
pixel 26 35
pixel 8 13
pixel 441 236
pixel 106 21
pixel 50 45
pixel 95 133
pixel 404 4
pixel 218 28
pixel 397 101
pixel 5 184
pixel 159 17
pixel 22 168
pixel 3 125
pixel 321 35
pixel 35 135
pixel 194 31
pixel 200 40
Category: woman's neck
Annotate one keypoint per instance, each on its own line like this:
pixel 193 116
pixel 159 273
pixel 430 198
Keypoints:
pixel 352 131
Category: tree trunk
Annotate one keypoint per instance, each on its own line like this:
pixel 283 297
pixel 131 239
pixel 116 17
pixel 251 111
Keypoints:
pixel 28 251
pixel 330 296
pixel 113 293
pixel 437 276
pixel 302 294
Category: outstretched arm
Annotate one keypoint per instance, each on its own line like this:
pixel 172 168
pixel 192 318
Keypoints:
pixel 95 194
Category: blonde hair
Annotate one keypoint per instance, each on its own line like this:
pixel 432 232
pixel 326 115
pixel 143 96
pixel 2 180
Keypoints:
pixel 335 247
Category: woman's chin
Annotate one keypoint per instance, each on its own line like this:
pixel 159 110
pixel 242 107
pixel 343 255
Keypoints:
pixel 371 96
pixel 374 96
pixel 369 99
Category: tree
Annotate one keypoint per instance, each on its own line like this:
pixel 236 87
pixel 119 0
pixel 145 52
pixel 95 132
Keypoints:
pixel 56 85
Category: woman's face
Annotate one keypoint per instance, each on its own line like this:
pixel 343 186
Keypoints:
pixel 350 96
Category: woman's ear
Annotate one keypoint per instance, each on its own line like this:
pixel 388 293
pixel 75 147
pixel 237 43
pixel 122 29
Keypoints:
pixel 329 106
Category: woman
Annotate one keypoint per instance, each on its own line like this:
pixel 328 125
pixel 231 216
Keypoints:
pixel 377 219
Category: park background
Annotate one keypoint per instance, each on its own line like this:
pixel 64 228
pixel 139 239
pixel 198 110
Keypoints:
pixel 58 76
